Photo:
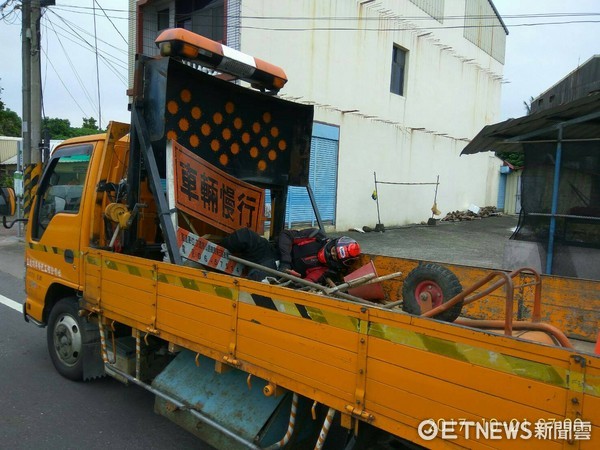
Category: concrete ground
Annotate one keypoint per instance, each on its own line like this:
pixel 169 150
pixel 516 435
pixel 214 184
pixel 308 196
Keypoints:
pixel 474 243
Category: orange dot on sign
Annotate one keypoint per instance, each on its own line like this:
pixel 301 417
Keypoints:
pixel 264 141
pixel 196 112
pixel 171 135
pixel 262 165
pixel 226 134
pixel 237 123
pixel 272 155
pixel 172 107
pixel 282 145
pixel 229 107
pixel 245 138
pixel 254 152
pixel 194 140
pixel 215 145
pixel 235 148
pixel 186 95
pixel 184 124
pixel 218 118
pixel 266 117
pixel 256 127
pixel 274 132
pixel 205 129
pixel 223 159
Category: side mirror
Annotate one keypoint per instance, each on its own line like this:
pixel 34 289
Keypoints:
pixel 7 202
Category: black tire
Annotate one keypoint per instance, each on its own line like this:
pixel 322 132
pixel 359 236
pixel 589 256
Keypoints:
pixel 438 281
pixel 66 335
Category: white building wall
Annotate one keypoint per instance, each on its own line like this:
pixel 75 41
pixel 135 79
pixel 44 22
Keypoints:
pixel 452 89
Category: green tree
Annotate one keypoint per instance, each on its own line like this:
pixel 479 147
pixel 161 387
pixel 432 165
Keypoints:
pixel 59 129
pixel 10 122
pixel 517 159
pixel 89 123
pixel 527 105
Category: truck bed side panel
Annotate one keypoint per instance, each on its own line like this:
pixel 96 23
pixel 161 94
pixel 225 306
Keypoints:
pixel 384 366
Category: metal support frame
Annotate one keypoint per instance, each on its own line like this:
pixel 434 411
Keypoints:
pixel 313 202
pixel 143 137
pixel 436 184
pixel 554 208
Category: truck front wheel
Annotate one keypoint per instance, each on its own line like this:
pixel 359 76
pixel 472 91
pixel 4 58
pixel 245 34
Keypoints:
pixel 66 336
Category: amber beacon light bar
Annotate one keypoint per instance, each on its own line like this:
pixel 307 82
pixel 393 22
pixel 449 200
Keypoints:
pixel 182 43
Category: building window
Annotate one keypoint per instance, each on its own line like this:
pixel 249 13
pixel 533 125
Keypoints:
pixel 399 56
pixel 162 19
pixel 204 17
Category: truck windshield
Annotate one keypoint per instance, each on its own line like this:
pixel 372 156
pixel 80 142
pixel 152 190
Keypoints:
pixel 62 186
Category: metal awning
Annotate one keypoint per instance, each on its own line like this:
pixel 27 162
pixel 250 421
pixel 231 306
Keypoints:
pixel 579 120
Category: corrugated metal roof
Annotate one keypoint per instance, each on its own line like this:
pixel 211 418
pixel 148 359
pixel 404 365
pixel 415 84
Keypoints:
pixel 9 146
pixel 579 119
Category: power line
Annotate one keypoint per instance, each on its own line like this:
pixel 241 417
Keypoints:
pixel 64 85
pixel 75 40
pixel 75 8
pixel 483 17
pixel 97 70
pixel 73 68
pixel 90 47
pixel 413 28
pixel 109 65
pixel 111 22
pixel 72 26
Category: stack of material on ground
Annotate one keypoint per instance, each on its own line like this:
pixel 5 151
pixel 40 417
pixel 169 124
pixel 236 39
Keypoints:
pixel 458 216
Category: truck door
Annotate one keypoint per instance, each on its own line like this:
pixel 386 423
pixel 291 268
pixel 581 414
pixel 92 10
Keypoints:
pixel 55 233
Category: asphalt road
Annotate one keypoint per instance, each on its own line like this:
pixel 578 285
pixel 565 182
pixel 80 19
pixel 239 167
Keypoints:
pixel 39 409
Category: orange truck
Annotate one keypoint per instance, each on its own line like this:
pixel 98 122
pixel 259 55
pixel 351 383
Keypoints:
pixel 124 268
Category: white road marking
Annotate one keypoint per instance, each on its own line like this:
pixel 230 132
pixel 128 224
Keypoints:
pixel 11 303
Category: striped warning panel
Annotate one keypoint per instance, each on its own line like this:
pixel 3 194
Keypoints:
pixel 315 314
pixel 197 249
pixel 31 178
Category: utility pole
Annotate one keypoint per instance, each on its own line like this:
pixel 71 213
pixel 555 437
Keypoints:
pixel 26 90
pixel 36 84
pixel 26 77
pixel 32 101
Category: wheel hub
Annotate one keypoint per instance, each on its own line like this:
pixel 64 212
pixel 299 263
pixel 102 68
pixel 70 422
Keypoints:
pixel 67 340
pixel 429 293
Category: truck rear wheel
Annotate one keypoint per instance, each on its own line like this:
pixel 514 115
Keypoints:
pixel 66 335
pixel 435 281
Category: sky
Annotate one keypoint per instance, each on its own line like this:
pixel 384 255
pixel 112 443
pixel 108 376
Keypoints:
pixel 70 89
pixel 536 56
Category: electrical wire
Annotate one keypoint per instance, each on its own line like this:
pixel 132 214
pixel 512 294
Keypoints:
pixel 111 22
pixel 90 47
pixel 72 26
pixel 482 17
pixel 108 56
pixel 63 83
pixel 75 71
pixel 74 9
pixel 97 70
